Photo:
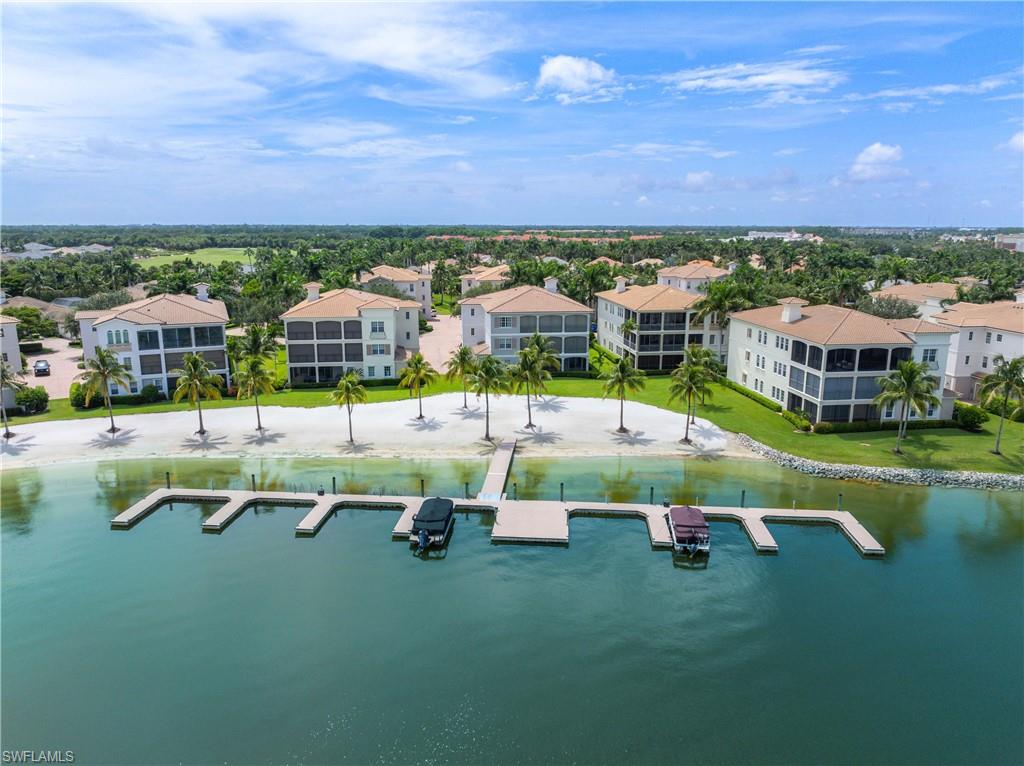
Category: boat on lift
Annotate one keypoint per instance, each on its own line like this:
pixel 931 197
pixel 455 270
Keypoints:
pixel 690 531
pixel 432 524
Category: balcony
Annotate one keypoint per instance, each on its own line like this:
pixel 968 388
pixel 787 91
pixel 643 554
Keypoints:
pixel 119 347
pixel 674 326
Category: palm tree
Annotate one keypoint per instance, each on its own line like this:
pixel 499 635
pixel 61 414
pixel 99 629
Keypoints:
pixel 417 374
pixel 721 299
pixel 621 376
pixel 490 376
pixel 257 341
pixel 14 381
pixel 101 372
pixel 1006 381
pixel 461 363
pixel 913 387
pixel 349 392
pixel 689 380
pixel 253 378
pixel 196 382
pixel 530 374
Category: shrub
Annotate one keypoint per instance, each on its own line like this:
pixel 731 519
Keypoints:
pixel 31 346
pixel 996 408
pixel 800 422
pixel 874 425
pixel 764 401
pixel 150 394
pixel 823 428
pixel 76 395
pixel 32 400
pixel 969 417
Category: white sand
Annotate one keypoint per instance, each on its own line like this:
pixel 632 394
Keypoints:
pixel 564 427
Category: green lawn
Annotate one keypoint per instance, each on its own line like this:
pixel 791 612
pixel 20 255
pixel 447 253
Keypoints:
pixel 212 255
pixel 945 448
pixel 443 304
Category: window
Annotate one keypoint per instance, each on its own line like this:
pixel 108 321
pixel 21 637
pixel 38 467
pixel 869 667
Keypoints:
pixel 743 378
pixel 5 356
pixel 999 337
pixel 867 388
pixel 472 331
pixel 181 337
pixel 575 323
pixel 970 335
pixel 209 336
pixel 749 331
pixel 984 363
pixel 387 371
pixel 406 314
pixel 746 356
pixel 890 408
pixel 814 354
pixel 127 363
pixel 133 386
pixel 988 337
pixel 931 409
pixel 872 359
pixel 813 385
pixel 967 359
pixel 371 372
pixel 506 321
pixel 928 355
pixel 472 311
pixel 711 340
pixel 779 368
pixel 898 355
pixel 148 340
pixel 504 344
pixel 114 390
pixel 407 336
pixel 117 337
pixel 377 349
pixel 840 360
pixel 796 379
pixel 799 354
pixel 838 388
pixel 377 325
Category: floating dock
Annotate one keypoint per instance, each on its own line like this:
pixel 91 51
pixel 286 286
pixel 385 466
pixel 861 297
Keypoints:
pixel 515 521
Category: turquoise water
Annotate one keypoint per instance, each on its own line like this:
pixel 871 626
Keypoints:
pixel 165 645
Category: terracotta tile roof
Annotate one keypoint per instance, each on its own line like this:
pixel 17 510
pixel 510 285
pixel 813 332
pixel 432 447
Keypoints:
pixel 391 273
pixel 826 324
pixel 4 319
pixel 919 293
pixel 920 326
pixel 693 271
pixel 344 302
pixel 163 309
pixel 497 273
pixel 604 259
pixel 652 298
pixel 650 262
pixel 1001 315
pixel 526 298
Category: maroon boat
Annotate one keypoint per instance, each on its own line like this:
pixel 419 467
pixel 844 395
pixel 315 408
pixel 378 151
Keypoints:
pixel 690 531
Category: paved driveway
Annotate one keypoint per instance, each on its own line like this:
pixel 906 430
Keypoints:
pixel 63 367
pixel 438 345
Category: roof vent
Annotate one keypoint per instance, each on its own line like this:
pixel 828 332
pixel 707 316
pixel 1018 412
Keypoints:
pixel 620 284
pixel 312 291
pixel 792 309
pixel 551 284
pixel 202 291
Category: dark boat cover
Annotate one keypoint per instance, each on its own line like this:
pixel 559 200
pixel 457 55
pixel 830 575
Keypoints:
pixel 433 515
pixel 687 520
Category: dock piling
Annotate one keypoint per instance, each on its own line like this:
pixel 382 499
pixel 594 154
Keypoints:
pixel 465 491
pixel 515 491
pixel 561 491
pixel 743 499
pixel 423 488
pixel 839 502
pixel 252 477
pixel 167 478
pixel 334 485
pixel 651 500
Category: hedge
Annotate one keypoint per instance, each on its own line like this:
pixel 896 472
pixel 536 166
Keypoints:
pixel 30 346
pixel 32 400
pixel 148 395
pixel 764 401
pixel 800 422
pixel 996 408
pixel 969 417
pixel 874 425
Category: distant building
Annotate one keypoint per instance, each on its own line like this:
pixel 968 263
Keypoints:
pixel 982 331
pixel 665 325
pixel 928 297
pixel 646 263
pixel 491 276
pixel 501 323
pixel 786 236
pixel 150 337
pixel 826 360
pixel 10 352
pixel 413 283
pixel 1013 242
pixel 609 262
pixel 691 276
pixel 328 334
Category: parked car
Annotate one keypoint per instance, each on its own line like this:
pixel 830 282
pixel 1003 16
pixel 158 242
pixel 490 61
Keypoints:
pixel 41 367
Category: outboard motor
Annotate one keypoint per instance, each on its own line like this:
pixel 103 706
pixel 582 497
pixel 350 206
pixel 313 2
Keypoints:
pixel 424 541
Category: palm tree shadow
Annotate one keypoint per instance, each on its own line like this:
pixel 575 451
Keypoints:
pixel 355 448
pixel 107 440
pixel 632 438
pixel 202 443
pixel 551 404
pixel 476 414
pixel 263 437
pixel 538 436
pixel 427 424
pixel 16 445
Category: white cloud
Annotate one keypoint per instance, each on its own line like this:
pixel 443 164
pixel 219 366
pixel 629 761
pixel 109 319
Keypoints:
pixel 796 76
pixel 642 200
pixel 462 119
pixel 788 151
pixel 878 162
pixel 817 50
pixel 984 203
pixel 1015 143
pixel 576 80
pixel 935 93
pixel 660 151
pixel 461 166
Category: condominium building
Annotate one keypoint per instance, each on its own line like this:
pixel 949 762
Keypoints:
pixel 328 334
pixel 981 332
pixel 664 324
pixel 928 297
pixel 150 337
pixel 491 276
pixel 502 322
pixel 412 283
pixel 11 352
pixel 826 360
pixel 692 276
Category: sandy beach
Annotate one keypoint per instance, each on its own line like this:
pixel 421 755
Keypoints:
pixel 564 427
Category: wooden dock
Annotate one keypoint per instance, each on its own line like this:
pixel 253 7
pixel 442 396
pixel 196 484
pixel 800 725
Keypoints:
pixel 515 521
pixel 497 471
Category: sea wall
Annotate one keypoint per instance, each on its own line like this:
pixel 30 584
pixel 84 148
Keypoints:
pixel 928 476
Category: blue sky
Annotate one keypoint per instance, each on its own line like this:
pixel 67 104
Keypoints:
pixel 681 114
